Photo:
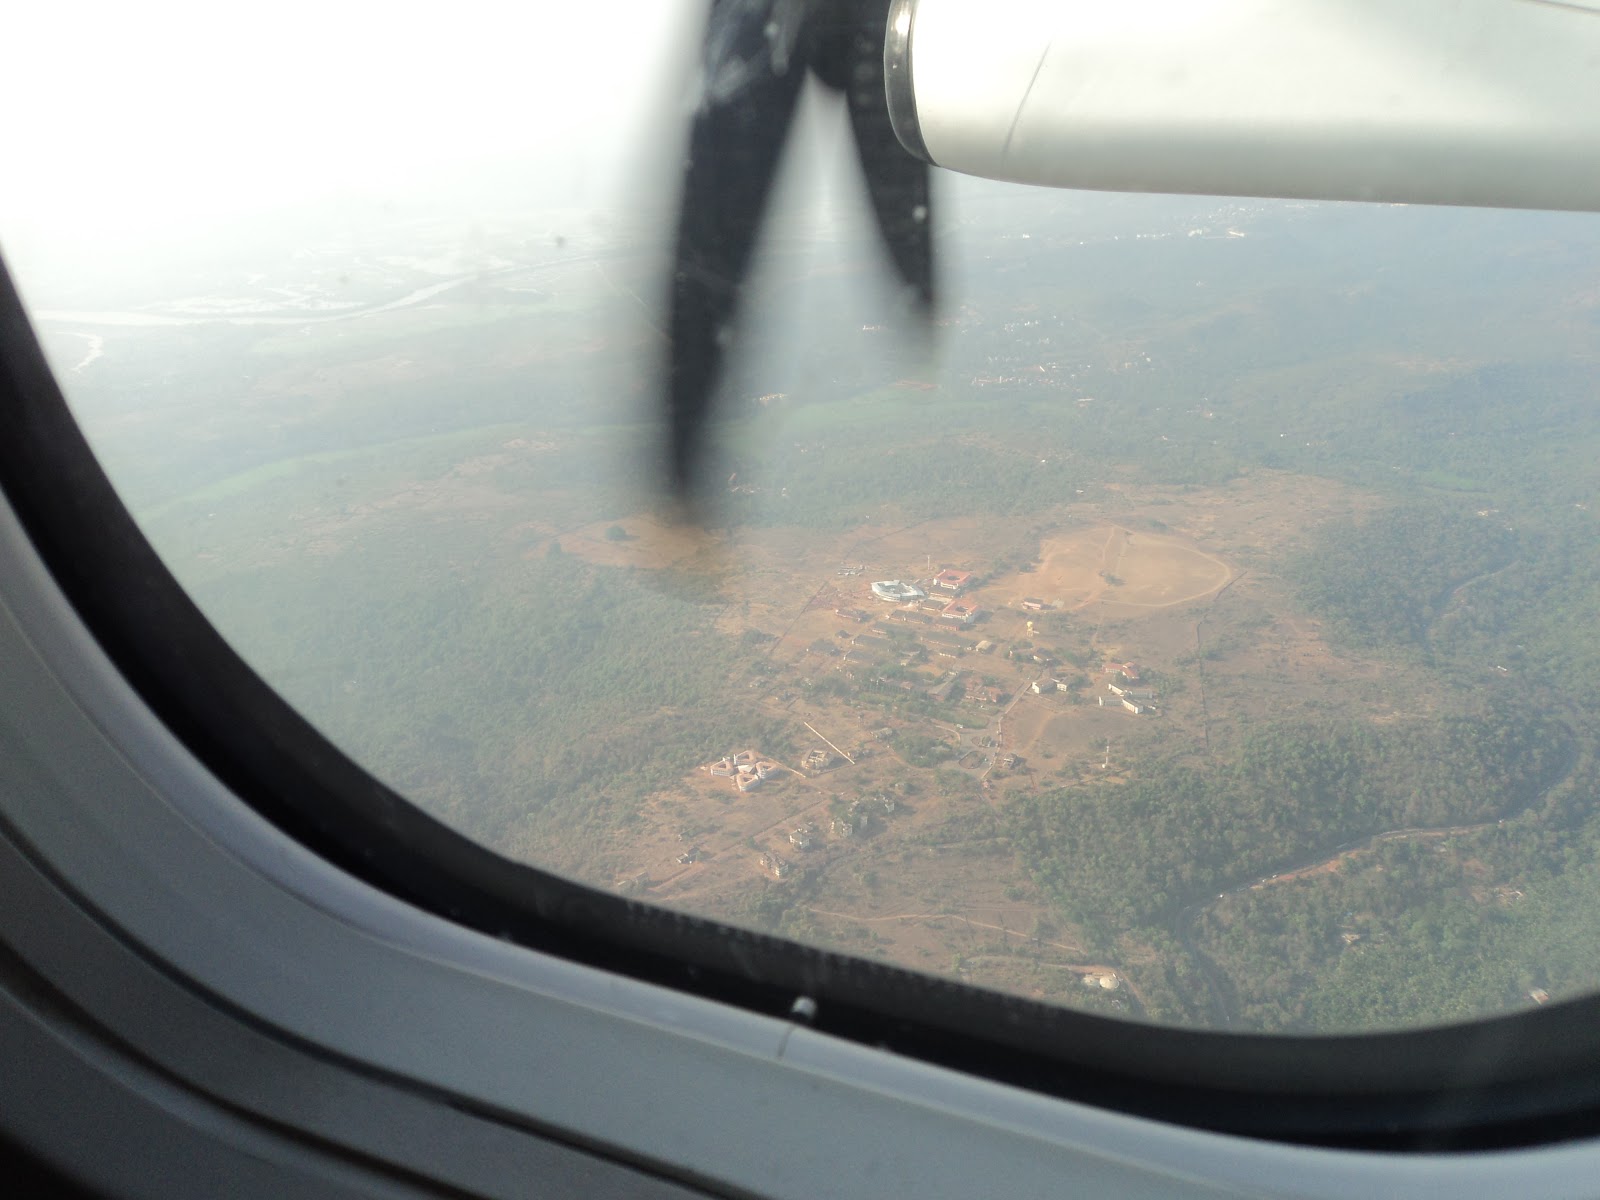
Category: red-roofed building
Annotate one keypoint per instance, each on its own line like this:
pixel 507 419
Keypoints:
pixel 953 581
pixel 965 611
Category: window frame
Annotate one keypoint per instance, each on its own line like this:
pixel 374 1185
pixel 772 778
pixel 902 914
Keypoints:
pixel 210 803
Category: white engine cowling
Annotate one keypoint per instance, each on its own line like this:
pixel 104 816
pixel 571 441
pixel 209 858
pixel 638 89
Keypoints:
pixel 1480 102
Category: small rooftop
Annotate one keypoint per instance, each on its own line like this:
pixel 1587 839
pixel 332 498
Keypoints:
pixel 895 589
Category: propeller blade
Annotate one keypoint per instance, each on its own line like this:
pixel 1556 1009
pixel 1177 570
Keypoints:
pixel 755 63
pixel 758 53
pixel 897 183
pixel 847 54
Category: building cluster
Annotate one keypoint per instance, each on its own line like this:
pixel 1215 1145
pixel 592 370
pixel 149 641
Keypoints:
pixel 933 611
pixel 979 692
pixel 951 688
pixel 897 591
pixel 936 601
pixel 817 760
pixel 954 581
pixel 971 690
pixel 1123 692
pixel 1136 707
pixel 744 768
pixel 944 691
pixel 1126 688
pixel 848 822
pixel 963 612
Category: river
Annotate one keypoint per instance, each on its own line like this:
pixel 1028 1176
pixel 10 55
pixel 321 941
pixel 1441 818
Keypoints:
pixel 1188 919
pixel 96 347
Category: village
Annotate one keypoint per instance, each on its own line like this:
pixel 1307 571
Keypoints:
pixel 909 687
pixel 942 640
pixel 914 700
pixel 908 692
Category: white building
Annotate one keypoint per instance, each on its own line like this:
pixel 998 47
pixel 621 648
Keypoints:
pixel 897 592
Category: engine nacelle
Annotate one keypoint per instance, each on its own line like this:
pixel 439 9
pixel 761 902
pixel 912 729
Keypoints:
pixel 1480 102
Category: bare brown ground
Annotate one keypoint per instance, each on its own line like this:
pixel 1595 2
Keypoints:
pixel 1113 565
pixel 647 542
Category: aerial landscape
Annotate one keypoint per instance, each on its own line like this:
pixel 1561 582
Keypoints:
pixel 1200 630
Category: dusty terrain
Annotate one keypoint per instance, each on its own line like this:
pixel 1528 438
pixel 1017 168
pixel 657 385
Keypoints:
pixel 1112 565
pixel 1179 584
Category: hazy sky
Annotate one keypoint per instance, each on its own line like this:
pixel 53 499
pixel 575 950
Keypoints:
pixel 125 116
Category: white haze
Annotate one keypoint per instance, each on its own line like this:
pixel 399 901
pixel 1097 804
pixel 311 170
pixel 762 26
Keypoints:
pixel 147 122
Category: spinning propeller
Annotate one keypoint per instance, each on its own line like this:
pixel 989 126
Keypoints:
pixel 757 55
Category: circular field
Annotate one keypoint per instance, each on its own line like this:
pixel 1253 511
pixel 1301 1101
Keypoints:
pixel 1111 565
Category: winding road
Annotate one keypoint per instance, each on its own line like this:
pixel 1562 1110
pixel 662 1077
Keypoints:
pixel 1185 926
pixel 1076 968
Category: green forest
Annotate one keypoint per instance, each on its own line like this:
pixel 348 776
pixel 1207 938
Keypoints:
pixel 545 706
pixel 1382 583
pixel 1412 929
pixel 1417 930
pixel 1136 853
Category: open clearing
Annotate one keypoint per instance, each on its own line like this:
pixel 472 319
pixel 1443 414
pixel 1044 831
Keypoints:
pixel 1113 565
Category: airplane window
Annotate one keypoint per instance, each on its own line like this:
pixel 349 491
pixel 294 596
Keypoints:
pixel 1197 627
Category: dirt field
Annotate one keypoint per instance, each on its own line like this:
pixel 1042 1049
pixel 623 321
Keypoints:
pixel 1113 565
pixel 648 542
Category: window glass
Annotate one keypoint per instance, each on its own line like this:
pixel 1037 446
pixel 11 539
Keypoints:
pixel 1201 630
